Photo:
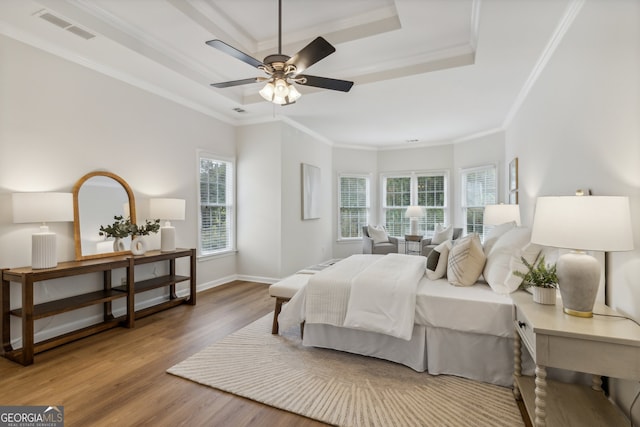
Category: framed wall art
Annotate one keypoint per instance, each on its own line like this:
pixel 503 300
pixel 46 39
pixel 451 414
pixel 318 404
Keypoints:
pixel 310 192
pixel 513 181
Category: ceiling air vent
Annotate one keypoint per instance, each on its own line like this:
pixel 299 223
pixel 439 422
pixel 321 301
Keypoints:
pixel 65 25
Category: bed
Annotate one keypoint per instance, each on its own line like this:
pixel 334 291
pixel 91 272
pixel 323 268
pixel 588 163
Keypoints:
pixel 465 331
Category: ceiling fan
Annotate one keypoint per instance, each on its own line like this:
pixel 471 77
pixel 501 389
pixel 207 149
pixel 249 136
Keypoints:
pixel 283 70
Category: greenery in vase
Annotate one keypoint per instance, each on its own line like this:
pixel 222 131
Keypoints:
pixel 121 228
pixel 540 274
pixel 146 229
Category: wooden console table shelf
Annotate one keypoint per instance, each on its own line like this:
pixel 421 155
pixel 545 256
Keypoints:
pixel 602 345
pixel 29 312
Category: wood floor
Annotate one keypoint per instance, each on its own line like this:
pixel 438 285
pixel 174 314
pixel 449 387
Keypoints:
pixel 118 378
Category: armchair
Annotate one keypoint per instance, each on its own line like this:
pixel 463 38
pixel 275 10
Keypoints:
pixel 427 246
pixel 382 248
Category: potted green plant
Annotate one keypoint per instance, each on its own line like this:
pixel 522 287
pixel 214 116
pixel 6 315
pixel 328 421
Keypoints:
pixel 120 229
pixel 542 278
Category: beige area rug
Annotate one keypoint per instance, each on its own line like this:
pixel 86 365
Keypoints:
pixel 341 388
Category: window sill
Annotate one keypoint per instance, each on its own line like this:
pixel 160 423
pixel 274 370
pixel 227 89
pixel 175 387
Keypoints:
pixel 217 255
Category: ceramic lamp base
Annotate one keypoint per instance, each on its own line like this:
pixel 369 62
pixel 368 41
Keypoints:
pixel 167 239
pixel 43 249
pixel 578 280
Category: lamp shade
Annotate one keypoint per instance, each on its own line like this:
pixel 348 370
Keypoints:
pixel 500 214
pixel 168 209
pixel 414 212
pixel 597 223
pixel 42 207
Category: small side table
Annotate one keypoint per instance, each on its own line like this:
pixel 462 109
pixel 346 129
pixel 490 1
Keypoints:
pixel 599 345
pixel 412 242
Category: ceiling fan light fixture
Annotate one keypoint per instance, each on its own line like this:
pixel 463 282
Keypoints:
pixel 268 91
pixel 280 92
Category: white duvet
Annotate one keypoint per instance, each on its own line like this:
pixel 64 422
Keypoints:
pixel 369 292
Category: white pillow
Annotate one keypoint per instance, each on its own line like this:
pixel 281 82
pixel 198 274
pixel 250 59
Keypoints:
pixel 512 282
pixel 498 266
pixel 441 234
pixel 494 234
pixel 437 261
pixel 466 260
pixel 378 233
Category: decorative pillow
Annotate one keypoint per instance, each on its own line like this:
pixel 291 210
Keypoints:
pixel 437 261
pixel 494 234
pixel 442 234
pixel 378 233
pixel 512 244
pixel 512 282
pixel 466 260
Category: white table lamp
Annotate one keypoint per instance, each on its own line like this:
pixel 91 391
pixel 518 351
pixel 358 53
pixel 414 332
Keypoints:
pixel 168 210
pixel 500 214
pixel 582 223
pixel 414 213
pixel 43 208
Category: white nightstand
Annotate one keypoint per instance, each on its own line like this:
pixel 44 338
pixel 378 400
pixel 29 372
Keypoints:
pixel 600 345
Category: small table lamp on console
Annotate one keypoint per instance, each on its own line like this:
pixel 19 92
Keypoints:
pixel 414 213
pixel 43 208
pixel 167 209
pixel 582 223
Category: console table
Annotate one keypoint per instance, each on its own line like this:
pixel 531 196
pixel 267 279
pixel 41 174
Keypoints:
pixel 28 312
pixel 600 345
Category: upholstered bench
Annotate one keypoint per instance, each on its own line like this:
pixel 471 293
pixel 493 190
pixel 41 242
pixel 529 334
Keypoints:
pixel 283 291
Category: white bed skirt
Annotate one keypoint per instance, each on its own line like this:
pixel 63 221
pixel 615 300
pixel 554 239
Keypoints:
pixel 480 357
pixel 409 353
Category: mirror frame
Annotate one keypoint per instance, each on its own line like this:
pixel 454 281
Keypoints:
pixel 76 213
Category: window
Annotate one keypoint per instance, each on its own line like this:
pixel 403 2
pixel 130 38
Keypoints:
pixel 216 205
pixel 428 190
pixel 353 205
pixel 478 190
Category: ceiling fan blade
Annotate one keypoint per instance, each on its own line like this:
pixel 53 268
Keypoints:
pixel 236 82
pixel 325 83
pixel 310 54
pixel 230 50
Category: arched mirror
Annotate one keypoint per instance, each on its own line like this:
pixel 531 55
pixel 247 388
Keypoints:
pixel 97 198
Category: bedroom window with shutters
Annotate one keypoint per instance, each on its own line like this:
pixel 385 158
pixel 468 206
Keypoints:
pixel 479 188
pixel 354 205
pixel 425 189
pixel 217 232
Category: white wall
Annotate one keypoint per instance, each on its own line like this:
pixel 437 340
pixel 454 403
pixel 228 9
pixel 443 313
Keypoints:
pixel 59 121
pixel 273 240
pixel 259 195
pixel 580 128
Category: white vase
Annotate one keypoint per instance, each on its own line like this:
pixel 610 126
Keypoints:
pixel 118 245
pixel 544 295
pixel 138 246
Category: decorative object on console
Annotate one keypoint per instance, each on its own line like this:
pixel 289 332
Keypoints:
pixel 43 208
pixel 97 197
pixel 167 209
pixel 542 278
pixel 414 213
pixel 120 229
pixel 138 244
pixel 582 223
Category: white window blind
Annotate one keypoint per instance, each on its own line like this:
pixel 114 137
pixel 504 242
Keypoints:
pixel 479 188
pixel 216 205
pixel 354 205
pixel 428 190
